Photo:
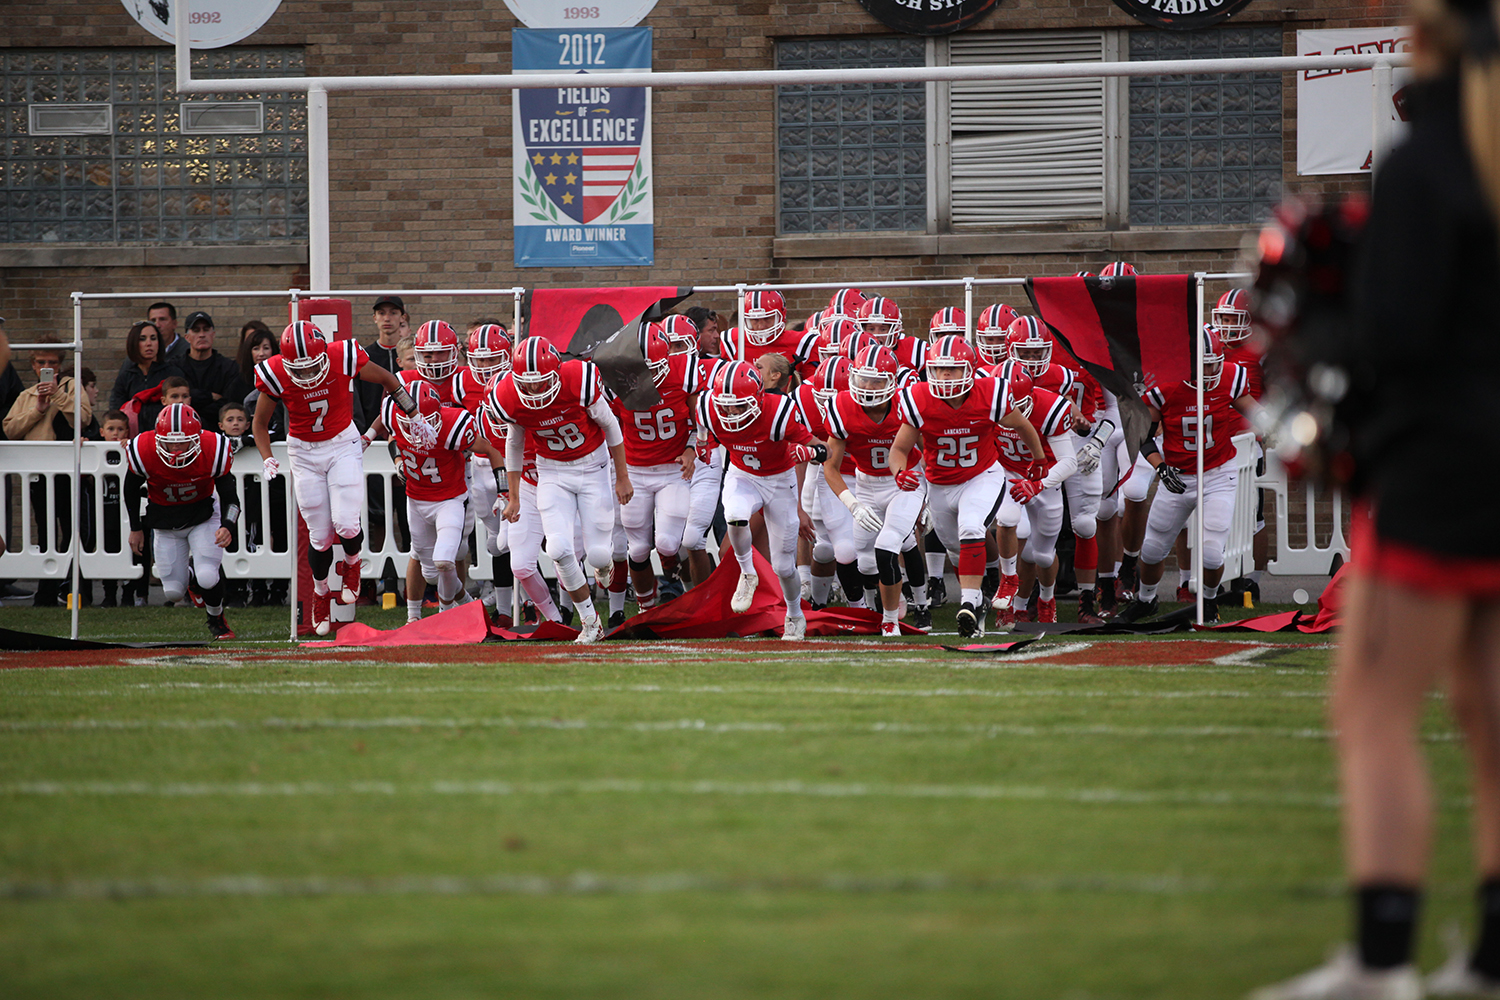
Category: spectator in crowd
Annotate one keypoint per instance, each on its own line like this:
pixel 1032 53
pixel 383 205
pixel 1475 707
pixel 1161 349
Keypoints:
pixel 252 326
pixel 391 325
pixel 91 430
pixel 210 374
pixel 11 388
pixel 253 332
pixel 233 424
pixel 145 367
pixel 45 413
pixel 255 347
pixel 708 323
pixel 175 390
pixel 115 428
pixel 163 316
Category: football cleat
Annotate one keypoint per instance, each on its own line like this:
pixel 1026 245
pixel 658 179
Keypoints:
pixel 1129 575
pixel 320 620
pixel 220 628
pixel 937 591
pixel 1344 977
pixel 1086 613
pixel 795 629
pixel 195 598
pixel 922 619
pixel 1006 595
pixel 1210 610
pixel 1184 594
pixel 616 619
pixel 968 620
pixel 349 571
pixel 1006 617
pixel 1021 612
pixel 890 628
pixel 1107 597
pixel 1457 977
pixel 989 584
pixel 744 593
pixel 590 630
pixel 1137 610
pixel 1046 611
pixel 565 616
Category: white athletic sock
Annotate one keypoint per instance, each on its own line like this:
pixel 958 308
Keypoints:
pixel 353 559
pixel 1086 586
pixel 1134 555
pixel 1146 592
pixel 821 587
pixel 320 588
pixel 1183 576
pixel 992 563
pixel 890 614
pixel 1008 565
pixel 739 541
pixel 936 562
pixel 791 591
pixel 1046 593
pixel 919 596
pixel 214 610
pixel 974 597
pixel 586 612
pixel 804 574
pixel 505 599
pixel 414 610
pixel 616 601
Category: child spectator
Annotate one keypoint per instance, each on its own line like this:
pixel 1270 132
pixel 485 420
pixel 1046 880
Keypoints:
pixel 116 428
pixel 175 389
pixel 233 424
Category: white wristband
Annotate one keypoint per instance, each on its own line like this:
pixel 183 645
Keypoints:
pixel 847 499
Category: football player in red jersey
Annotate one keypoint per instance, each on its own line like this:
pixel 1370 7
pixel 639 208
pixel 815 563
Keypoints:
pixel 684 338
pixel 315 381
pixel 833 335
pixel 1231 316
pixel 862 426
pixel 833 545
pixel 488 355
pixel 768 446
pixel 561 405
pixel 659 448
pixel 844 304
pixel 957 419
pixel 192 506
pixel 764 332
pixel 1226 404
pixel 436 490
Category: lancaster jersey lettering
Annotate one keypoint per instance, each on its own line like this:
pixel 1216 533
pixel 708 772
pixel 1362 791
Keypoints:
pixel 323 411
pixel 662 433
pixel 171 492
pixel 959 442
pixel 563 430
pixel 1181 422
pixel 763 448
pixel 866 442
pixel 437 474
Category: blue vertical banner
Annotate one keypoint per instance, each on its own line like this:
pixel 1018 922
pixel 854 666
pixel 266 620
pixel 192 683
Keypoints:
pixel 582 154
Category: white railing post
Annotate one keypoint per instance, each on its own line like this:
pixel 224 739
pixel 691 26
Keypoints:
pixel 1203 429
pixel 76 546
pixel 319 264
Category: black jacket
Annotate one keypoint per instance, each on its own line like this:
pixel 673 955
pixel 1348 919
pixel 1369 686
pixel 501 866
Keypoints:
pixel 130 381
pixel 214 374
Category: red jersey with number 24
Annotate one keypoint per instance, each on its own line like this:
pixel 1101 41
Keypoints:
pixel 563 429
pixel 959 442
pixel 322 412
pixel 1178 406
pixel 438 474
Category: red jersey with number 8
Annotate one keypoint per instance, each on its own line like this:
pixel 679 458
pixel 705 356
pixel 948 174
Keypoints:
pixel 958 442
pixel 1178 406
pixel 563 429
pixel 438 474
pixel 659 435
pixel 866 442
pixel 322 412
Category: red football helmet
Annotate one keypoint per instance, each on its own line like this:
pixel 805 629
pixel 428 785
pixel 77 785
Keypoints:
pixel 657 352
pixel 536 372
pixel 1029 343
pixel 950 367
pixel 1213 357
pixel 996 317
pixel 852 347
pixel 177 440
pixel 846 302
pixel 735 395
pixel 946 320
pixel 831 378
pixel 1018 387
pixel 815 321
pixel 873 375
pixel 1232 315
pixel 436 347
pixel 833 334
pixel 881 318
pixel 304 354
pixel 764 317
pixel 1083 274
pixel 1117 269
pixel 429 409
pixel 681 334
pixel 489 351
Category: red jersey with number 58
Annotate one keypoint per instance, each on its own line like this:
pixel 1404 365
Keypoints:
pixel 438 474
pixel 1051 415
pixel 1180 422
pixel 172 486
pixel 958 442
pixel 764 448
pixel 866 442
pixel 661 434
pixel 563 429
pixel 322 412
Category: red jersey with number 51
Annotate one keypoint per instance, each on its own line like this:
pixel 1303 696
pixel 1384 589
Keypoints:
pixel 958 442
pixel 563 429
pixel 171 486
pixel 1220 422
pixel 1051 415
pixel 438 474
pixel 322 412
pixel 659 435
pixel 764 448
pixel 866 442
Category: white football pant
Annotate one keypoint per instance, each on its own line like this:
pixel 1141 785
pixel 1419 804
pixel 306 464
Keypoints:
pixel 328 479
pixel 1170 512
pixel 657 511
pixel 172 549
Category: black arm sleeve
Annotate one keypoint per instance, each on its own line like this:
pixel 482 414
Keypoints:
pixel 229 500
pixel 135 488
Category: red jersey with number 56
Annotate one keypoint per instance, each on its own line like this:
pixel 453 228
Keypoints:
pixel 322 412
pixel 1051 415
pixel 438 474
pixel 563 429
pixel 193 483
pixel 958 442
pixel 763 448
pixel 1180 422
pixel 866 442
pixel 659 435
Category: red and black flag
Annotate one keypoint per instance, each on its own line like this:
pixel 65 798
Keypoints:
pixel 603 325
pixel 1131 333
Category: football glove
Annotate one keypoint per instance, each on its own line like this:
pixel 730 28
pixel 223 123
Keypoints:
pixel 423 434
pixel 1023 491
pixel 1171 479
pixel 809 453
pixel 270 469
pixel 908 480
pixel 864 515
pixel 1090 450
pixel 1035 470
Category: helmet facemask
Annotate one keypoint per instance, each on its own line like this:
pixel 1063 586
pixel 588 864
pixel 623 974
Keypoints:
pixel 537 389
pixel 306 373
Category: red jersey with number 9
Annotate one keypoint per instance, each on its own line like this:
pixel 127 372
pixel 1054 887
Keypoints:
pixel 659 435
pixel 438 474
pixel 958 442
pixel 171 486
pixel 1178 406
pixel 322 412
pixel 563 429
pixel 866 442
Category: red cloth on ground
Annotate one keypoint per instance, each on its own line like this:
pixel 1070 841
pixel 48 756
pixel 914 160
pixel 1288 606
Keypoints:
pixel 468 623
pixel 704 613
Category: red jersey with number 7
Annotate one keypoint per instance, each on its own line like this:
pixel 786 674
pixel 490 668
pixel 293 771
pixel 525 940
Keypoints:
pixel 659 435
pixel 319 413
pixel 959 442
pixel 563 429
pixel 1178 406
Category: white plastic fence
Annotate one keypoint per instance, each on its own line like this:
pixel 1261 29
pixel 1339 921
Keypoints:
pixel 1238 557
pixel 1310 559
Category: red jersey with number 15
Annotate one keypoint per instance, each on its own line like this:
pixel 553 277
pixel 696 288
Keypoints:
pixel 1178 406
pixel 170 486
pixel 866 442
pixel 563 429
pixel 959 442
pixel 659 435
pixel 322 412
pixel 438 474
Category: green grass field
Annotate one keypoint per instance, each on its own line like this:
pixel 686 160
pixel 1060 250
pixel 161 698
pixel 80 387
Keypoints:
pixel 1117 818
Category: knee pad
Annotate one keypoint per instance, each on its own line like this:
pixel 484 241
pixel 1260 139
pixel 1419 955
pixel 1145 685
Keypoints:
pixel 1084 525
pixel 640 565
pixel 737 523
pixel 173 594
pixel 1039 559
pixel 868 563
pixel 444 566
pixel 888 567
pixel 822 551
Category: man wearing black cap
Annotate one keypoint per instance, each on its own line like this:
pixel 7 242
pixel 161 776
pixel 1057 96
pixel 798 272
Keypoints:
pixel 390 327
pixel 209 374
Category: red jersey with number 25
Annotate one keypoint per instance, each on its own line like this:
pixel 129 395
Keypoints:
pixel 959 442
pixel 866 442
pixel 1178 406
pixel 764 448
pixel 193 482
pixel 438 474
pixel 322 412
pixel 563 429
pixel 659 435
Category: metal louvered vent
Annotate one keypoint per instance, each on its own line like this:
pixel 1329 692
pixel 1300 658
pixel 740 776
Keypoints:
pixel 1027 151
pixel 228 118
pixel 70 119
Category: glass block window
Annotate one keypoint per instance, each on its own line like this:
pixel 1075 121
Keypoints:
pixel 146 181
pixel 852 158
pixel 1205 150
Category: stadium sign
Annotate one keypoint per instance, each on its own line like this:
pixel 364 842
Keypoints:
pixel 582 155
pixel 212 24
pixel 1181 15
pixel 929 17
pixel 595 14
